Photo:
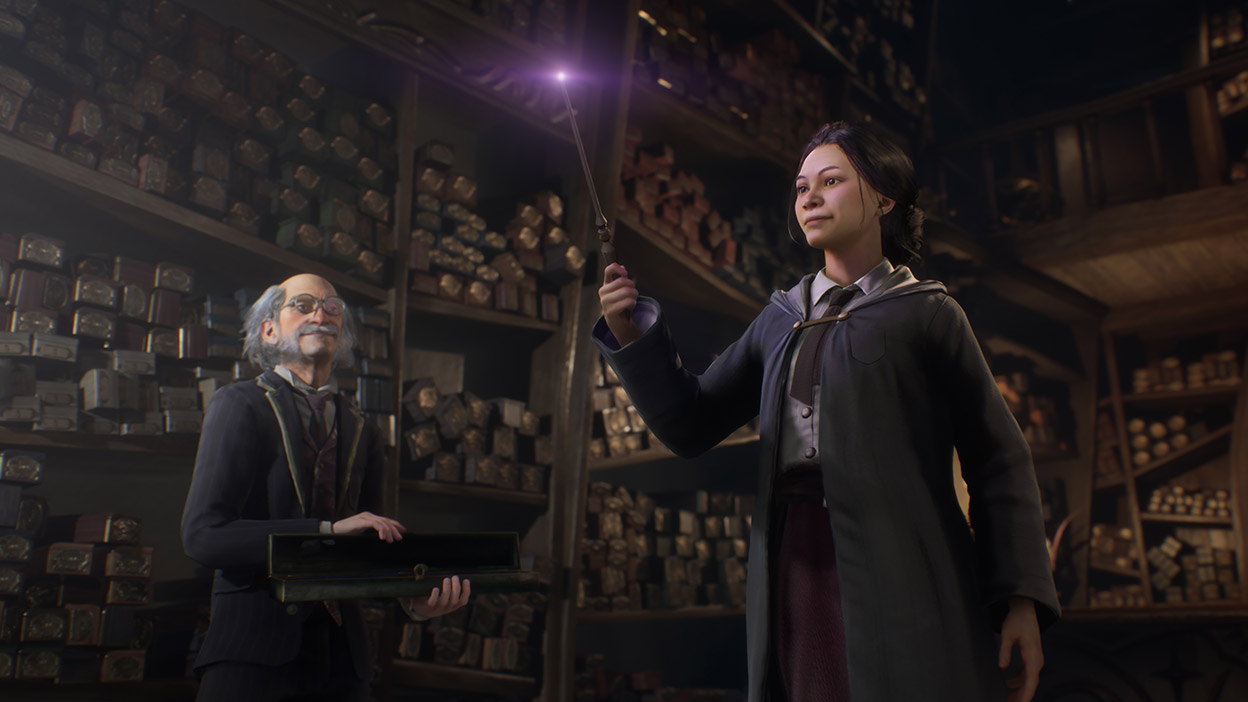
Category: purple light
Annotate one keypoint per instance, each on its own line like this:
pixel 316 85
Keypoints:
pixel 561 76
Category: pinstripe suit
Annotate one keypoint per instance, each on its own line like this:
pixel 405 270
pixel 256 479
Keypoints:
pixel 250 482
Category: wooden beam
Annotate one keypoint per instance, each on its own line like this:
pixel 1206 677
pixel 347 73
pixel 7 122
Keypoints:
pixel 1015 282
pixel 1190 312
pixel 1107 105
pixel 1189 216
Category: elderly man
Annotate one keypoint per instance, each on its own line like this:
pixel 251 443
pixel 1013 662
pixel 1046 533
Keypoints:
pixel 287 453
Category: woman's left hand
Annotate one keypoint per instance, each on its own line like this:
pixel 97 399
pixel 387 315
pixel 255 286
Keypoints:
pixel 1021 629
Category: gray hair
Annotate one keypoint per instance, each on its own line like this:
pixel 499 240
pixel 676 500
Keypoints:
pixel 269 306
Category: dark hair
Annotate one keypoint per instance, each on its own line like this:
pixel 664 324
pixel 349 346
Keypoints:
pixel 888 170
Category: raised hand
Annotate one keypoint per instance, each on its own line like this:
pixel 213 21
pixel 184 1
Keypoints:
pixel 618 297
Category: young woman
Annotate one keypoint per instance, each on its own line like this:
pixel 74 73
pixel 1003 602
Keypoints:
pixel 865 582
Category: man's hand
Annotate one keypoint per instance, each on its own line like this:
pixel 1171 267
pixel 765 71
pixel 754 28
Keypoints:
pixel 618 298
pixel 1021 629
pixel 387 529
pixel 451 597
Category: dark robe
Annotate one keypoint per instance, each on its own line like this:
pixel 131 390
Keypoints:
pixel 903 383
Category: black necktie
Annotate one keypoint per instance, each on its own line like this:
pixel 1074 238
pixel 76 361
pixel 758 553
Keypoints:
pixel 322 480
pixel 806 372
pixel 316 427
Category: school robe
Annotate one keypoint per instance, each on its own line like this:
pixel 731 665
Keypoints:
pixel 903 383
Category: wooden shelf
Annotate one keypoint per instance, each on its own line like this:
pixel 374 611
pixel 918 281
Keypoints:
pixel 1115 570
pixel 445 677
pixel 197 237
pixel 658 615
pixel 665 270
pixel 661 452
pixel 162 690
pixel 1239 106
pixel 483 26
pixel 476 492
pixel 1184 613
pixel 887 110
pixel 671 118
pixel 1045 366
pixel 424 304
pixel 1194 447
pixel 1192 396
pixel 182 444
pixel 1018 284
pixel 782 15
pixel 1186 519
pixel 432 38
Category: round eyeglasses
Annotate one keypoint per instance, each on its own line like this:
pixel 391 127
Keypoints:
pixel 307 304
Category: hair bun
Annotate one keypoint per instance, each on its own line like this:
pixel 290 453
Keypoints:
pixel 915 218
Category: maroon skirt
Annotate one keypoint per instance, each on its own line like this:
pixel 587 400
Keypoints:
pixel 809 628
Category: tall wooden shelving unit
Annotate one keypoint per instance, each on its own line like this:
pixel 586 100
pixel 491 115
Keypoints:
pixel 1214 460
pixel 431 54
pixel 668 274
pixel 91 211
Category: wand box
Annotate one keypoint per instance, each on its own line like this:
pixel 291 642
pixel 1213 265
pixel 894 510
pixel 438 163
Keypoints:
pixel 309 567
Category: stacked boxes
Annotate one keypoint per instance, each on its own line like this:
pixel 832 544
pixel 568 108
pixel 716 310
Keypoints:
pixel 372 379
pixel 748 250
pixel 1155 438
pixel 593 682
pixel 1226 29
pixel 461 438
pixel 1114 547
pixel 757 86
pixel 1195 565
pixel 170 102
pixel 495 632
pixel 543 22
pixel 1220 368
pixel 1036 414
pixel 455 256
pixel 663 552
pixel 116 345
pixel 1201 502
pixel 70 587
pixel 880 44
pixel 618 429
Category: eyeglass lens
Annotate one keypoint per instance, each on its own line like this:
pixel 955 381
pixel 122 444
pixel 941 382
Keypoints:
pixel 307 304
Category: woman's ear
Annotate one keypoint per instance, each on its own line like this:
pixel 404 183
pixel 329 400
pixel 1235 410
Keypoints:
pixel 886 205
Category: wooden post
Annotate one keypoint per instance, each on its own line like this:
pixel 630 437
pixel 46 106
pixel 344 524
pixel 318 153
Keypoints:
pixel 1154 148
pixel 1208 147
pixel 990 188
pixel 1092 154
pixel 1045 168
pixel 1072 182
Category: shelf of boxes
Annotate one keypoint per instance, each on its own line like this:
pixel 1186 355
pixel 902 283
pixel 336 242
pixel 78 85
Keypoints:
pixel 643 561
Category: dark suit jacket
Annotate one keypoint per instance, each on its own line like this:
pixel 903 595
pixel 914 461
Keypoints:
pixel 251 481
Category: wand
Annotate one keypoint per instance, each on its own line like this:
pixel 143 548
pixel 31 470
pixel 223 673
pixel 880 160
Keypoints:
pixel 604 232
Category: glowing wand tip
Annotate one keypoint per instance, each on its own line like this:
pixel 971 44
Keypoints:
pixel 561 76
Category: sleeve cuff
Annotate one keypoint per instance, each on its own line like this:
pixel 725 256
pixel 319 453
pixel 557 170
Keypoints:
pixel 645 314
pixel 406 604
pixel 327 527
